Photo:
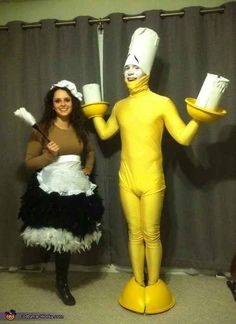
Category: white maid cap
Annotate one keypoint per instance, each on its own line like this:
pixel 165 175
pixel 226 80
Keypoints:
pixel 70 86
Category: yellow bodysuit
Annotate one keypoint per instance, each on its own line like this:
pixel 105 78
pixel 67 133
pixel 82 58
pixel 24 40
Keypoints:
pixel 141 118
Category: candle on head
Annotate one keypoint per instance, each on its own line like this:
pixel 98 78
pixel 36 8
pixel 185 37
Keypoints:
pixel 211 91
pixel 91 93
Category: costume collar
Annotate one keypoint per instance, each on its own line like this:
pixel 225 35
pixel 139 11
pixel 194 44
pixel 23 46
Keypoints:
pixel 138 86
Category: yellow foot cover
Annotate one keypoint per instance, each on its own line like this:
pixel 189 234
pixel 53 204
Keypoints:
pixel 151 299
pixel 133 297
pixel 158 298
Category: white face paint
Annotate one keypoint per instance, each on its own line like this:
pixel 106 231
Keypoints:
pixel 132 72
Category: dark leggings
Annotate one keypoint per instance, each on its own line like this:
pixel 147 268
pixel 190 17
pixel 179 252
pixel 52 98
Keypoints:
pixel 62 262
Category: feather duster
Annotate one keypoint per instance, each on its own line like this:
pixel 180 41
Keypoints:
pixel 29 119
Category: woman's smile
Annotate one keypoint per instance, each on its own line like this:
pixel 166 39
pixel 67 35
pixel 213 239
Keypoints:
pixel 62 103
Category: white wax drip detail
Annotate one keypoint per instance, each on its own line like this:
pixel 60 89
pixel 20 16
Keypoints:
pixel 211 91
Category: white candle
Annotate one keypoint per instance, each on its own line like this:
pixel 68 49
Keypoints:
pixel 211 91
pixel 91 93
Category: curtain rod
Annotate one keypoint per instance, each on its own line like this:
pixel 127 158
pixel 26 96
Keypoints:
pixel 100 21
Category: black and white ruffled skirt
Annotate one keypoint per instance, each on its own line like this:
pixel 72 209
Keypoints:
pixel 61 209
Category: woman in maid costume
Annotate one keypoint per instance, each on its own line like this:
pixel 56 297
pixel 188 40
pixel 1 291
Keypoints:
pixel 61 210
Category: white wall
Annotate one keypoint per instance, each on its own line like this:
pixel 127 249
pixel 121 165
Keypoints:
pixel 33 10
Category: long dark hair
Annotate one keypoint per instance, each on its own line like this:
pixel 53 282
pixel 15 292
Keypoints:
pixel 77 118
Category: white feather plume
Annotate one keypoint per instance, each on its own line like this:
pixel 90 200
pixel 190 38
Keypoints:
pixel 25 115
pixel 29 119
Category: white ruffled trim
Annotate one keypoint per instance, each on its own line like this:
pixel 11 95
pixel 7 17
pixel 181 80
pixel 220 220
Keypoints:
pixel 60 240
pixel 65 177
pixel 44 187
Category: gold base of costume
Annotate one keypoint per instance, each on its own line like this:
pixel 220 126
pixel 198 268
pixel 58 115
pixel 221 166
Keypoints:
pixel 133 296
pixel 158 298
pixel 202 114
pixel 95 109
pixel 151 299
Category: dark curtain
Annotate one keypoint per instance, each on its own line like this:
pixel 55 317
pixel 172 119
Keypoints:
pixel 198 222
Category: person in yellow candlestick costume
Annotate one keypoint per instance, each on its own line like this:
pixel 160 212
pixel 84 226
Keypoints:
pixel 141 119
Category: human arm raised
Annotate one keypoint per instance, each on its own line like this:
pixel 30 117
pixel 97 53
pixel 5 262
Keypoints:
pixel 181 132
pixel 106 129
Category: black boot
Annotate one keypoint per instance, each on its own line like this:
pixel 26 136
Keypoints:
pixel 62 261
pixel 232 286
